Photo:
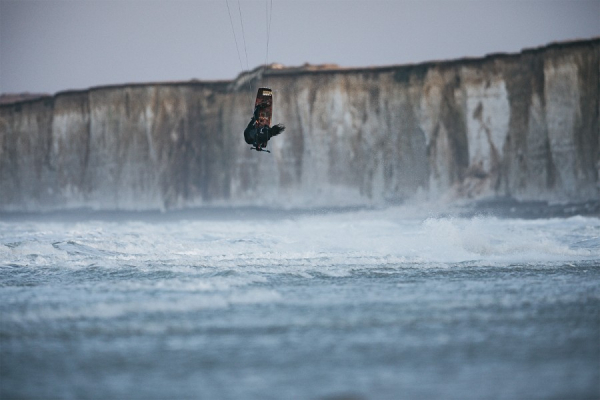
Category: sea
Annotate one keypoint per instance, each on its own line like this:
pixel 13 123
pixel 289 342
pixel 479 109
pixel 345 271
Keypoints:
pixel 356 303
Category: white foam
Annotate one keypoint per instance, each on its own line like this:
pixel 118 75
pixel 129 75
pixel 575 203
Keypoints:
pixel 332 244
pixel 199 264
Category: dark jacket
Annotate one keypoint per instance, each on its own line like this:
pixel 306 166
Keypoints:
pixel 254 136
pixel 250 132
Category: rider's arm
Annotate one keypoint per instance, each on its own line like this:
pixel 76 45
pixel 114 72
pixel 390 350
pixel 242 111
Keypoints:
pixel 255 114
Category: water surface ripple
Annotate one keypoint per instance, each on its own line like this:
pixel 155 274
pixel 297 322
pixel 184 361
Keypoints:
pixel 362 304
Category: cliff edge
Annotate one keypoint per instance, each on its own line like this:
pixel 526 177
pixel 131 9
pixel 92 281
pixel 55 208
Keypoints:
pixel 524 126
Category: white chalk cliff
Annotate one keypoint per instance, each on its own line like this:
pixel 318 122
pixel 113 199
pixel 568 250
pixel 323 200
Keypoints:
pixel 521 125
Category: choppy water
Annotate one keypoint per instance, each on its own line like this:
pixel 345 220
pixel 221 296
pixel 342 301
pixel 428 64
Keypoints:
pixel 239 305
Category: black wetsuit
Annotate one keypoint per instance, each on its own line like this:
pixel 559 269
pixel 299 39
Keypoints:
pixel 255 136
pixel 259 137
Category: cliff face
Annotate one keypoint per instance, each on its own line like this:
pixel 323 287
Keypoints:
pixel 523 125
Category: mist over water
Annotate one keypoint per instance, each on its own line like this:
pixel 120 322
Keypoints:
pixel 234 304
pixel 232 300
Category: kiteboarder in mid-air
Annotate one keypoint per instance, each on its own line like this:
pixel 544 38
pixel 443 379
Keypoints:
pixel 258 132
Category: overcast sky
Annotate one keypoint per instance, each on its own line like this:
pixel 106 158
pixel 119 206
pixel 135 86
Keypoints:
pixel 50 45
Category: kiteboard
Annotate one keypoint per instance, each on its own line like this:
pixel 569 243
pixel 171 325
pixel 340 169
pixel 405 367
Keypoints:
pixel 264 99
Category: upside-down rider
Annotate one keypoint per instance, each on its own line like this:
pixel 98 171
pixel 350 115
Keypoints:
pixel 258 135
